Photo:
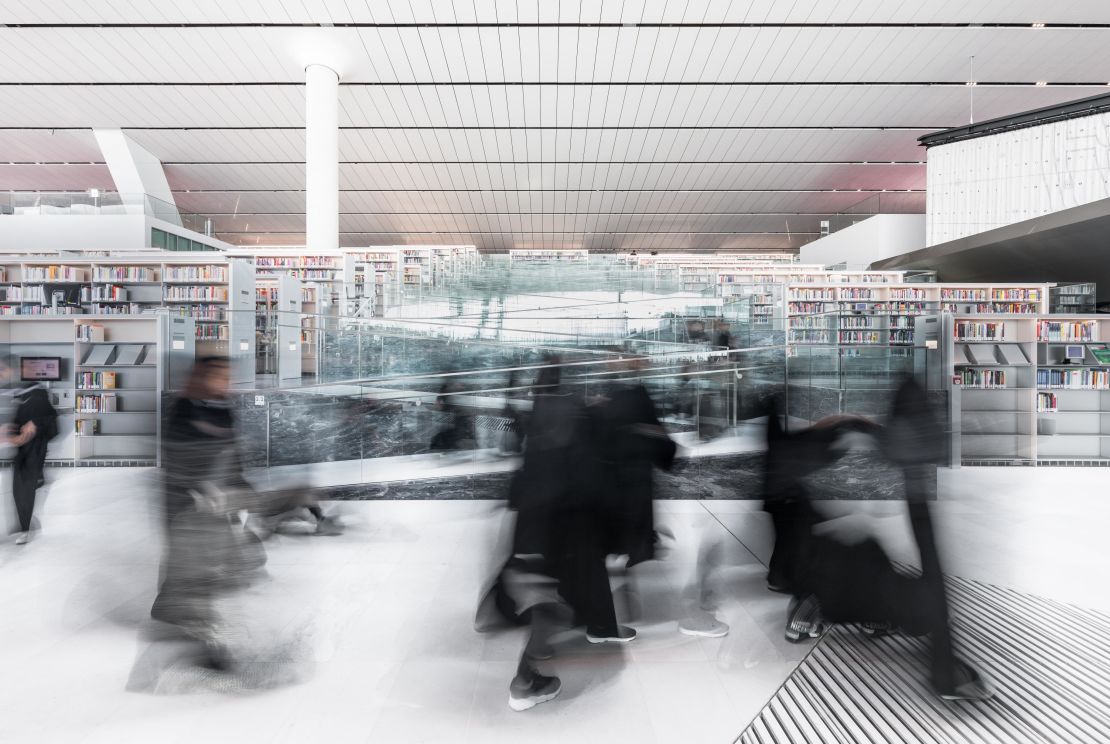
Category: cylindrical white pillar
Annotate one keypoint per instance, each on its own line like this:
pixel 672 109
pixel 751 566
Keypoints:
pixel 321 135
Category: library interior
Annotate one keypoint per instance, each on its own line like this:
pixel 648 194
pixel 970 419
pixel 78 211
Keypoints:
pixel 490 371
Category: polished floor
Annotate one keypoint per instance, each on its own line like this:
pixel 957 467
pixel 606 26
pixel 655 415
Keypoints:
pixel 368 637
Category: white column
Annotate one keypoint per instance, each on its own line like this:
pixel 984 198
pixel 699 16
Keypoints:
pixel 321 158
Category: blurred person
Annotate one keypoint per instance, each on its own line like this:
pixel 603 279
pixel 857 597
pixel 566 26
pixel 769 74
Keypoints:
pixel 790 457
pixel 459 431
pixel 632 443
pixel 208 549
pixel 724 335
pixel 835 581
pixel 35 423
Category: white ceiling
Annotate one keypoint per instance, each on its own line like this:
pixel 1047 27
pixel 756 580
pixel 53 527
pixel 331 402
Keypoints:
pixel 702 124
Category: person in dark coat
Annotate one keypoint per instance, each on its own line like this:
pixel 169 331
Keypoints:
pixel 34 425
pixel 789 458
pixel 857 583
pixel 632 444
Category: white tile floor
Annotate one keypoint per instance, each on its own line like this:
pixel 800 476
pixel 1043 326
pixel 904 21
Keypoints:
pixel 371 633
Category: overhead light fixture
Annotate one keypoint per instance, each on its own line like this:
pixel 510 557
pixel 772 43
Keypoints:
pixel 1038 25
pixel 970 82
pixel 1041 83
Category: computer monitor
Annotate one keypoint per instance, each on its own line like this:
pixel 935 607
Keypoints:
pixel 61 295
pixel 861 307
pixel 40 369
pixel 1075 352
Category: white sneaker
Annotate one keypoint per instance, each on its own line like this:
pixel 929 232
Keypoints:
pixel 624 635
pixel 705 626
pixel 23 539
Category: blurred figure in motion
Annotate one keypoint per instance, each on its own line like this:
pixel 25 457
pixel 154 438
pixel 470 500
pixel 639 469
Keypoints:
pixel 632 443
pixel 208 549
pixel 557 573
pixel 459 431
pixel 790 457
pixel 512 438
pixel 838 581
pixel 35 423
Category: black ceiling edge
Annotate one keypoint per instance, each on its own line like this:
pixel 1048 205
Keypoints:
pixel 1061 111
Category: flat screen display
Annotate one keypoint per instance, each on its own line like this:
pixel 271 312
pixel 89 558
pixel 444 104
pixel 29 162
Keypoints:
pixel 46 369
pixel 1074 353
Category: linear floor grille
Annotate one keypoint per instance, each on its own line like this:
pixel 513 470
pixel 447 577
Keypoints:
pixel 1048 662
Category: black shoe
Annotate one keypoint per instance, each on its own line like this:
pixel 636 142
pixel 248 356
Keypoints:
pixel 216 657
pixel 803 620
pixel 877 630
pixel 776 582
pixel 967 684
pixel 540 690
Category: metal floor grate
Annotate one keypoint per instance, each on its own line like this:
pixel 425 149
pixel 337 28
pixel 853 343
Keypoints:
pixel 1048 662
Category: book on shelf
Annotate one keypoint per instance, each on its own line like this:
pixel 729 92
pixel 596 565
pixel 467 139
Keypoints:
pixel 104 293
pixel 984 379
pixel 53 274
pixel 1067 330
pixel 1100 353
pixel 901 337
pixel 205 273
pixel 858 337
pixel 1031 295
pixel 100 403
pixel 206 294
pixel 1046 403
pixel 1074 379
pixel 97 380
pixel 90 332
pixel 977 330
pixel 124 274
pixel 88 427
pixel 963 295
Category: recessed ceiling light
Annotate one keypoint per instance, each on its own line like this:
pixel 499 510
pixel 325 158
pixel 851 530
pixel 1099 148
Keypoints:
pixel 1041 82
pixel 970 82
pixel 1038 25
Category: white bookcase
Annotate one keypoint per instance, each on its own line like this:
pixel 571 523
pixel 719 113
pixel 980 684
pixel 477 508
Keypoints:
pixel 114 371
pixel 522 256
pixel 994 362
pixel 1073 389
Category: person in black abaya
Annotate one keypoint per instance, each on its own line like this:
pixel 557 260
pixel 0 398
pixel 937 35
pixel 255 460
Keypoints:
pixel 789 458
pixel 838 582
pixel 631 443
pixel 559 532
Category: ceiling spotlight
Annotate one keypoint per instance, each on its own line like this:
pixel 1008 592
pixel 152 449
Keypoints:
pixel 970 82
pixel 1041 83
pixel 1038 25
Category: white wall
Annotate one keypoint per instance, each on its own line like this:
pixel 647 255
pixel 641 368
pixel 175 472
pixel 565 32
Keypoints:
pixel 859 245
pixel 37 233
pixel 988 182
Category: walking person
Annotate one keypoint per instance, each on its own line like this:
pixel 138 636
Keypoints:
pixel 34 425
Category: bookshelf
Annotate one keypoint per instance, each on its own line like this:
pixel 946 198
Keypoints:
pixel 198 286
pixel 1073 389
pixel 525 256
pixel 994 378
pixel 1072 299
pixel 114 372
